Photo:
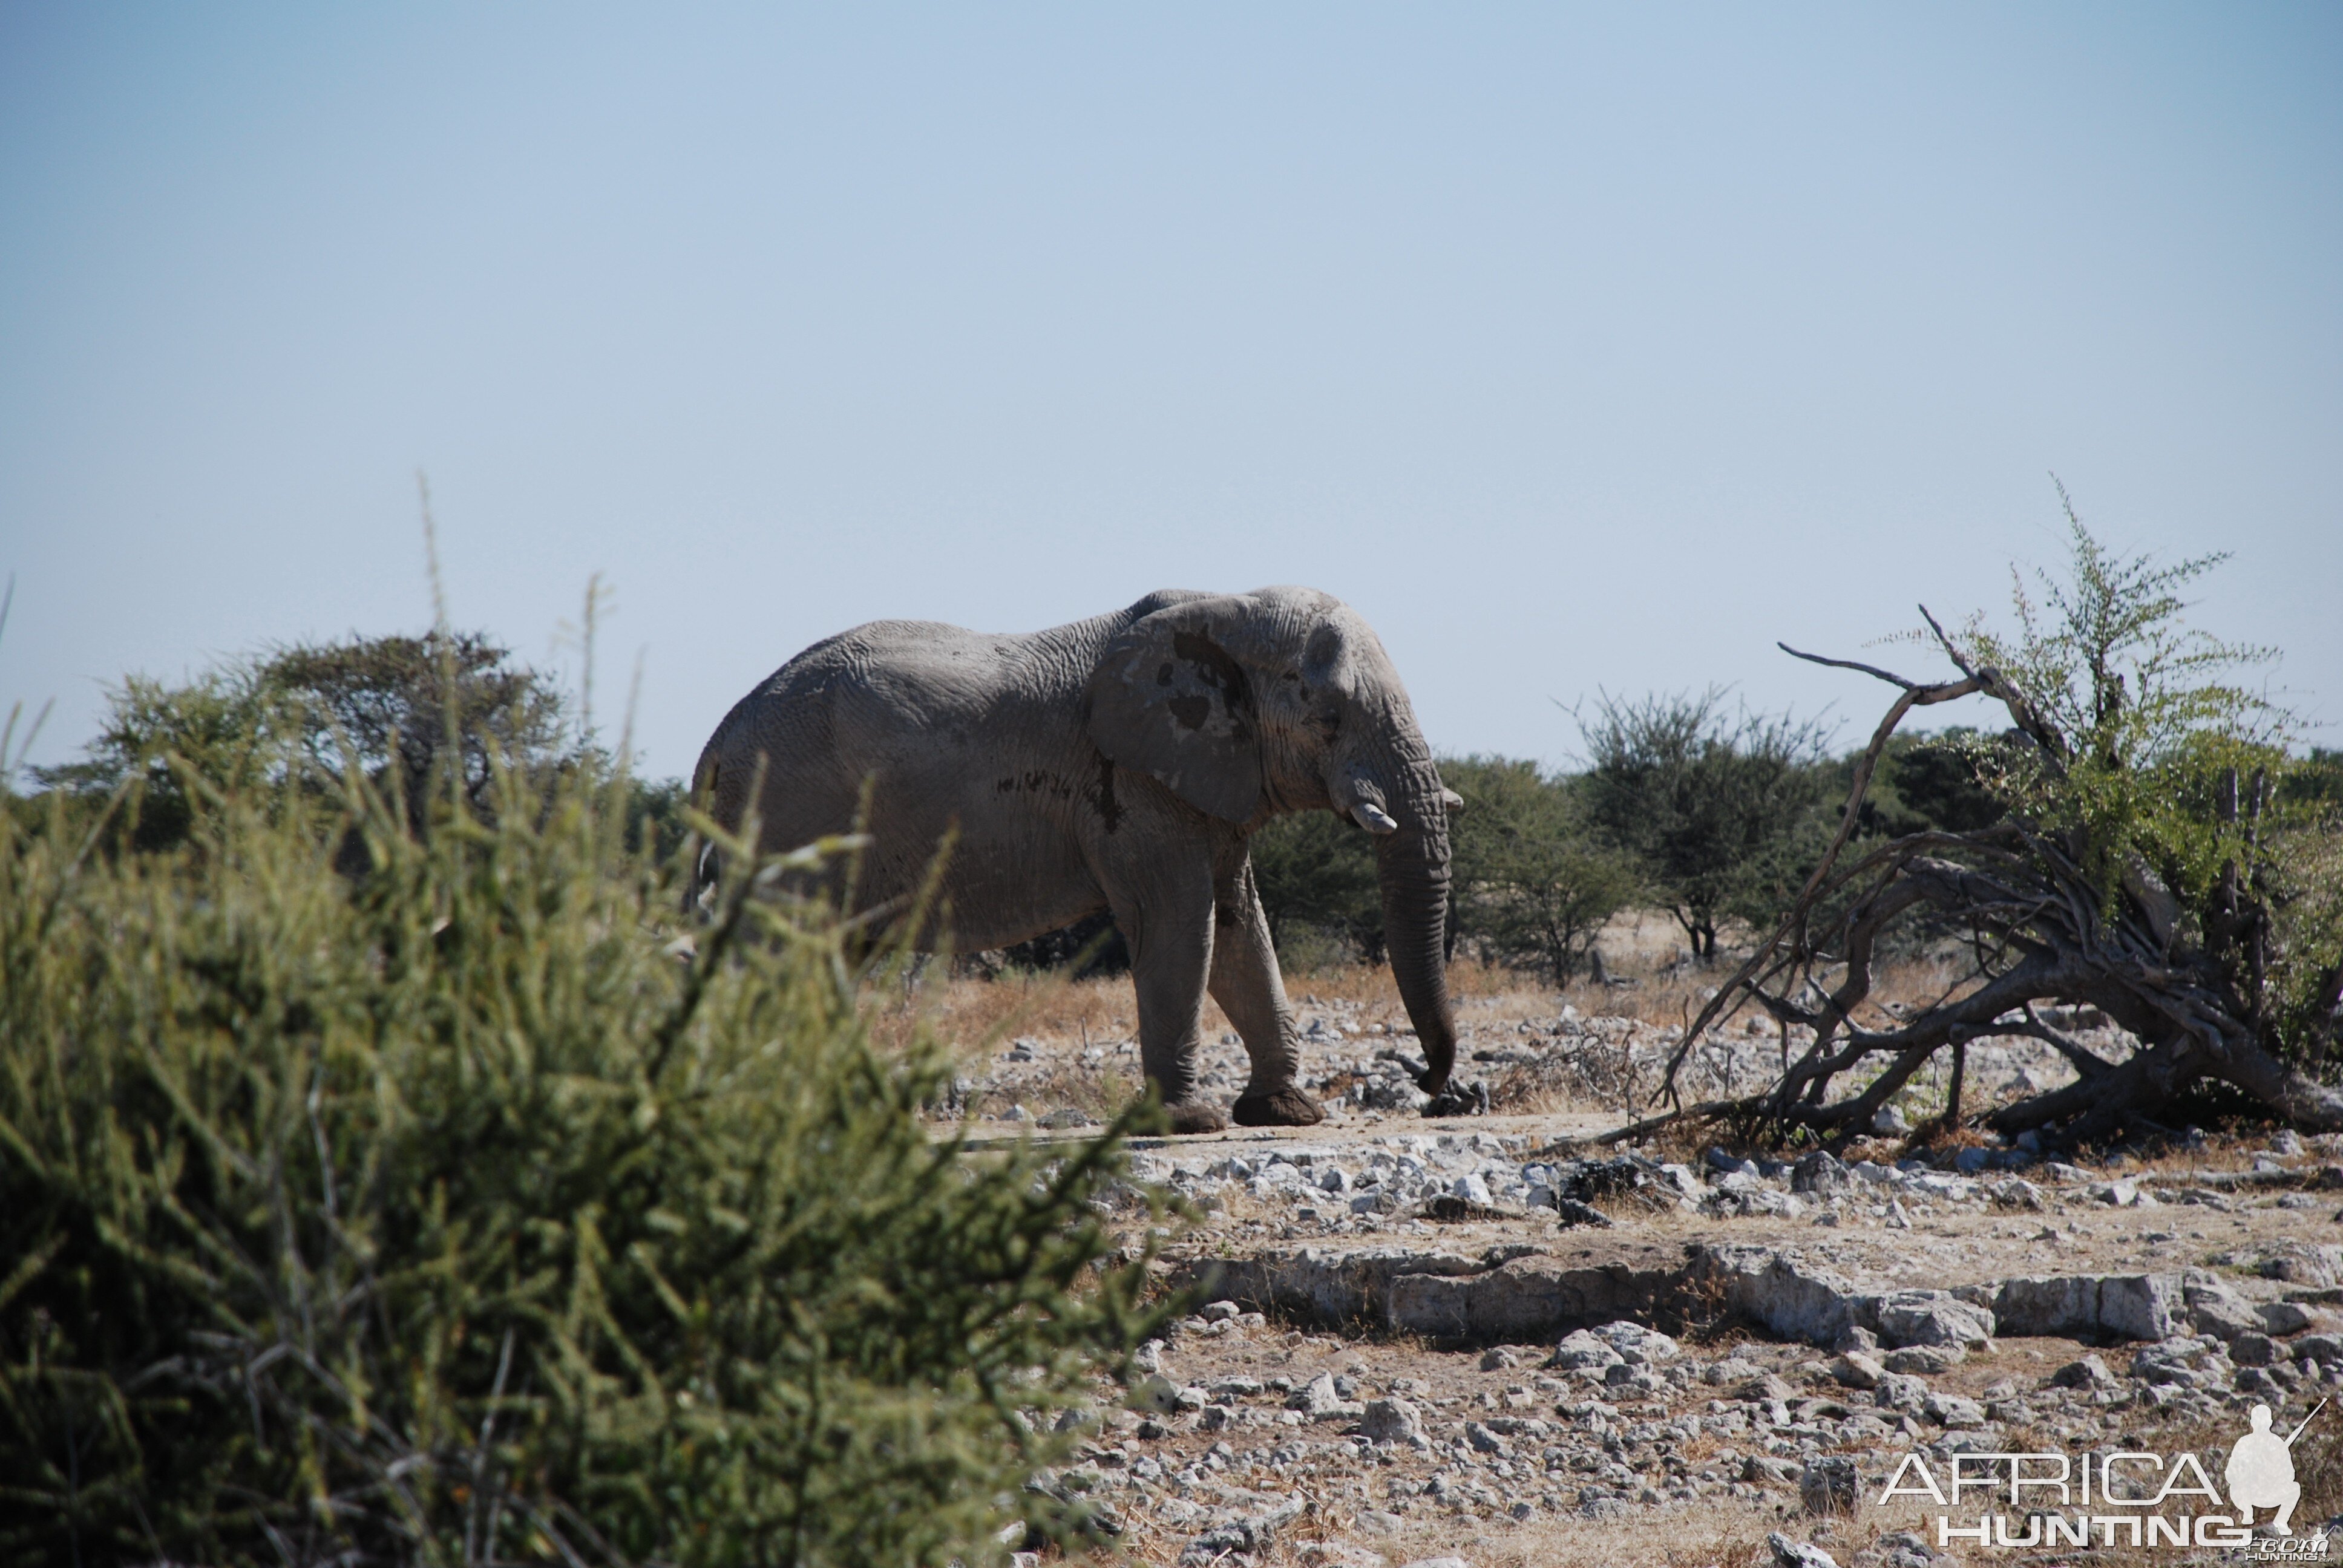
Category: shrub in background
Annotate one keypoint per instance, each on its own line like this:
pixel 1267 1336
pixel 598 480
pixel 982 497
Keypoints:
pixel 1723 813
pixel 1534 886
pixel 1315 874
pixel 456 1212
pixel 391 705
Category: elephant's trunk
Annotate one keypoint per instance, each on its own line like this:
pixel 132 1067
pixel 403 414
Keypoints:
pixel 1413 867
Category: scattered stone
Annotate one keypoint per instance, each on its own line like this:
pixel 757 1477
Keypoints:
pixel 1896 1391
pixel 1933 1318
pixel 1791 1298
pixel 1857 1370
pixel 1067 1116
pixel 1925 1360
pixel 1789 1553
pixel 2282 1318
pixel 2257 1383
pixel 2083 1306
pixel 1953 1410
pixel 1497 1358
pixel 1829 1484
pixel 1485 1440
pixel 1320 1400
pixel 1584 1348
pixel 1820 1173
pixel 1905 1550
pixel 2215 1308
pixel 1575 1214
pixel 1252 1526
pixel 1526 1299
pixel 2305 1264
pixel 1391 1421
pixel 2014 1193
pixel 1765 1470
pixel 1155 1393
pixel 1337 1554
pixel 1331 1286
pixel 2088 1372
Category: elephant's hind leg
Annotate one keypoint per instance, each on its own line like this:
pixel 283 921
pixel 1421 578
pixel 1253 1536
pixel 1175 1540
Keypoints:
pixel 1168 930
pixel 1246 984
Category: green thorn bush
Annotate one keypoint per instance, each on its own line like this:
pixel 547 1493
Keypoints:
pixel 459 1209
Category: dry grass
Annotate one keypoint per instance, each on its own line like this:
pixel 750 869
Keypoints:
pixel 974 1012
pixel 1089 1060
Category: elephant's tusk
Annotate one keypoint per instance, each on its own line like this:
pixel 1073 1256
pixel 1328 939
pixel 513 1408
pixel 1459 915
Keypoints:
pixel 1373 818
pixel 1453 800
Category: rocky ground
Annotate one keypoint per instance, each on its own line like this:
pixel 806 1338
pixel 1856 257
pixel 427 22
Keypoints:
pixel 1486 1339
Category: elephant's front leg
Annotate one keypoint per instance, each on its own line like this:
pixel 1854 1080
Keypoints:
pixel 1246 984
pixel 1167 926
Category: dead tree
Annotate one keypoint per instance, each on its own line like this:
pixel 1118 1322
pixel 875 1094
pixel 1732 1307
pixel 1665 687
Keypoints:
pixel 2041 928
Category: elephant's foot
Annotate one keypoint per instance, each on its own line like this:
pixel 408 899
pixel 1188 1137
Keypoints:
pixel 1286 1107
pixel 1196 1116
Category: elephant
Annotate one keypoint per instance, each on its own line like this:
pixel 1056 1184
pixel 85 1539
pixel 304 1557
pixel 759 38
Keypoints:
pixel 1119 763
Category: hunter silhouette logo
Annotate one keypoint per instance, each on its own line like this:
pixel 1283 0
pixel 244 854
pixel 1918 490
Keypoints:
pixel 2260 1472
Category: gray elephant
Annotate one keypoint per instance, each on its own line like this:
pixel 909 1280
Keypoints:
pixel 1118 763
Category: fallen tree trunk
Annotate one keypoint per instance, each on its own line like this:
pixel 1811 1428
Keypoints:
pixel 2189 986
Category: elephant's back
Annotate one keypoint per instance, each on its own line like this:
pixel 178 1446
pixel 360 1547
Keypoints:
pixel 906 700
pixel 887 674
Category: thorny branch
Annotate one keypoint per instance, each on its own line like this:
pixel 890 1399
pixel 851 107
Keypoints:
pixel 2039 929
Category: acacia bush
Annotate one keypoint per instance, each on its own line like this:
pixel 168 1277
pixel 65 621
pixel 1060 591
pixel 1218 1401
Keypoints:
pixel 470 1209
pixel 1723 813
pixel 1534 886
pixel 401 708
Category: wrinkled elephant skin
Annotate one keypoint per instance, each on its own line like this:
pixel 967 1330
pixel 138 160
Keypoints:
pixel 1118 763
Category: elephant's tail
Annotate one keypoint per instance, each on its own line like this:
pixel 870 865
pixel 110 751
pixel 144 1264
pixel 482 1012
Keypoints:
pixel 701 854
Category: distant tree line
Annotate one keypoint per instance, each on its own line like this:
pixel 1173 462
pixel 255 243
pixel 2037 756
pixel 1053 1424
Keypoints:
pixel 1713 813
pixel 1686 803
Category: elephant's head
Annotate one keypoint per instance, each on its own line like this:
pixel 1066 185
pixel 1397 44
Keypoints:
pixel 1250 705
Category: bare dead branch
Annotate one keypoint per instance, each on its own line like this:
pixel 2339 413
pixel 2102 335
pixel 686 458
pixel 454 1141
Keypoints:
pixel 1871 669
pixel 1795 920
pixel 1945 643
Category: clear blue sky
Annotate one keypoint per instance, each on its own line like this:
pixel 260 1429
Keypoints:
pixel 1579 347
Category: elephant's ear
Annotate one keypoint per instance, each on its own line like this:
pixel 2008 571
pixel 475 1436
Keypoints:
pixel 1168 699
